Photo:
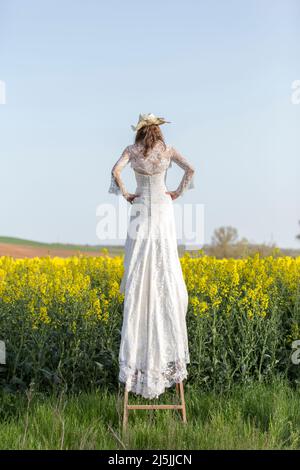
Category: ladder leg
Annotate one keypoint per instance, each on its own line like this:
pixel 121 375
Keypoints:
pixel 182 402
pixel 125 411
pixel 179 390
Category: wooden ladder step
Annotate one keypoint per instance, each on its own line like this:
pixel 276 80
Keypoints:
pixel 154 407
pixel 127 407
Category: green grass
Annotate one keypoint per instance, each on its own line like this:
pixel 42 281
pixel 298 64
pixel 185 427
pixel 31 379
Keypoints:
pixel 255 417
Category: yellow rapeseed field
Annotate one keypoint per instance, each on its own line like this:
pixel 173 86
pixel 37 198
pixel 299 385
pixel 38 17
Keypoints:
pixel 61 317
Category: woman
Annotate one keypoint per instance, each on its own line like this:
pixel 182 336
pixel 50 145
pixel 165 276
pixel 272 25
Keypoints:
pixel 154 345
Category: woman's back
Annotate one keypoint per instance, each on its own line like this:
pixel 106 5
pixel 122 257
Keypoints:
pixel 157 160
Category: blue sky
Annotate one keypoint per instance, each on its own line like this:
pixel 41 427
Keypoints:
pixel 78 73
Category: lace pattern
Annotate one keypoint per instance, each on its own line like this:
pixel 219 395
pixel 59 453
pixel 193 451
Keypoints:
pixel 151 384
pixel 116 184
pixel 155 162
pixel 187 181
pixel 159 159
pixel 114 188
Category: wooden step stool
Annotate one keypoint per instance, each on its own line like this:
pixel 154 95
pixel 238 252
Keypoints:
pixel 127 407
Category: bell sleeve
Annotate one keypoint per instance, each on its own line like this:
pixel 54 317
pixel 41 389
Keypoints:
pixel 116 183
pixel 187 181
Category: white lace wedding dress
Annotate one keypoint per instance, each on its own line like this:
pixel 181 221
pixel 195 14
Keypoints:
pixel 154 348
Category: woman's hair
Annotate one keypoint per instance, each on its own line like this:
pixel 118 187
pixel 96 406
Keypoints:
pixel 148 136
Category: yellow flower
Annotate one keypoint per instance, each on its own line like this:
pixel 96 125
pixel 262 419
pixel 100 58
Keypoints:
pixel 44 315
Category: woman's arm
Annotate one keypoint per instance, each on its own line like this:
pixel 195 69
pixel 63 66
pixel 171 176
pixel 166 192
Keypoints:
pixel 187 181
pixel 117 185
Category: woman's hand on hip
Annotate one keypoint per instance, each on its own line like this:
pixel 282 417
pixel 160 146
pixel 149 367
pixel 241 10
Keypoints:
pixel 130 197
pixel 173 194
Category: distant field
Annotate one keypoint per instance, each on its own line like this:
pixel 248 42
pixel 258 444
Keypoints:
pixel 21 248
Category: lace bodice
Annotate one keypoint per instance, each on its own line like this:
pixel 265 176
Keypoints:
pixel 159 159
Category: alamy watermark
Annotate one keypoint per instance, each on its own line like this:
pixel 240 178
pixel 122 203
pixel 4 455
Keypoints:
pixel 295 96
pixel 295 357
pixel 2 92
pixel 2 353
pixel 155 220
